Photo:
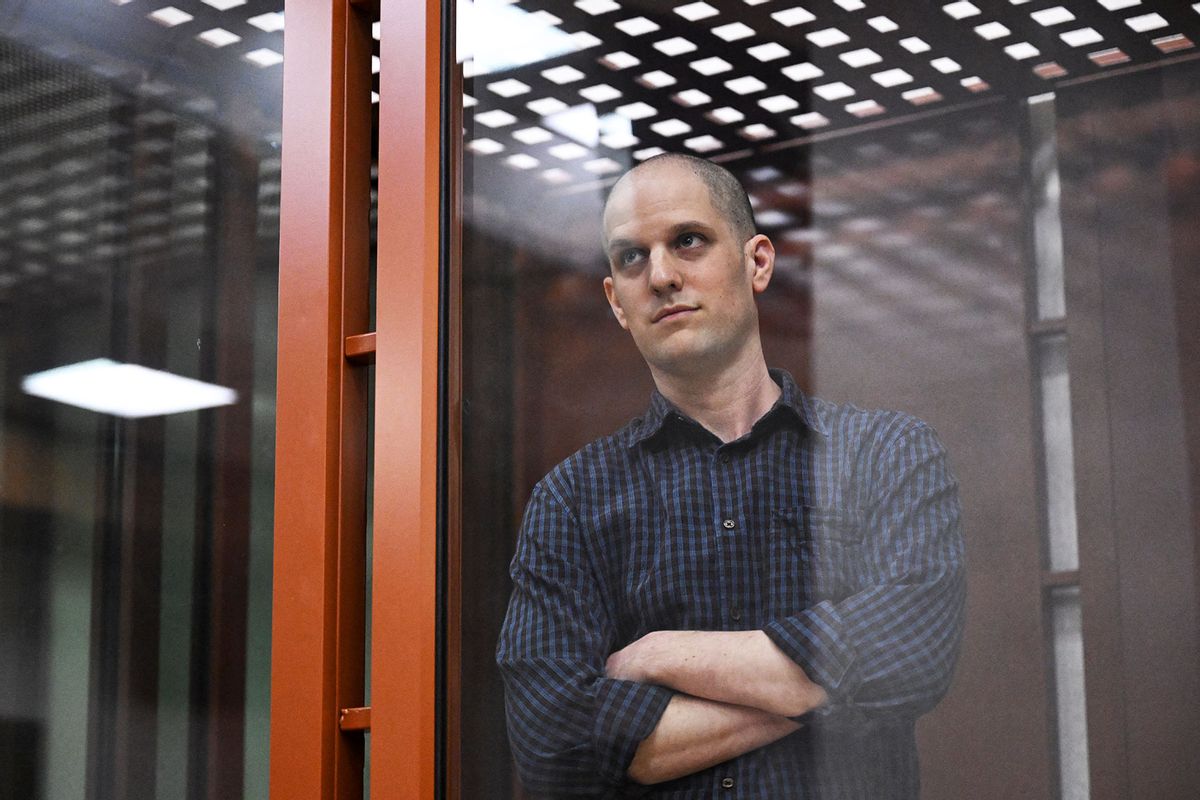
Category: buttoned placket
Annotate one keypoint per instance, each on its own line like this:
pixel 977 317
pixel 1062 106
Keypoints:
pixel 722 471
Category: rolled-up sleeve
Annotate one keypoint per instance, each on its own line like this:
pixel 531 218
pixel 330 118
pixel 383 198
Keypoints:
pixel 573 731
pixel 890 649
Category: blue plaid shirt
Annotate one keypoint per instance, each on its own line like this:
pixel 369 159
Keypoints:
pixel 834 530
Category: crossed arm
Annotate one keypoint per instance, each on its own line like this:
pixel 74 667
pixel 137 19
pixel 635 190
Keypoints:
pixel 675 702
pixel 736 691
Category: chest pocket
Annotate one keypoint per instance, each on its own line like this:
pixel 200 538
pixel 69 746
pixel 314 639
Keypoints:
pixel 813 554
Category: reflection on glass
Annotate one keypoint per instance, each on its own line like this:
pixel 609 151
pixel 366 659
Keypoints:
pixel 1070 701
pixel 901 194
pixel 1047 222
pixel 139 199
pixel 1057 453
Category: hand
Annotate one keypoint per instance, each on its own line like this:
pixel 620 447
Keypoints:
pixel 636 660
pixel 739 667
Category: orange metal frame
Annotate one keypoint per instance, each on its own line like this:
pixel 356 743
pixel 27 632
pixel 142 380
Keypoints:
pixel 404 568
pixel 318 714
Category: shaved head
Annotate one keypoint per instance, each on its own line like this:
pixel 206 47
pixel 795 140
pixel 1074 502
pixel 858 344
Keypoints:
pixel 725 192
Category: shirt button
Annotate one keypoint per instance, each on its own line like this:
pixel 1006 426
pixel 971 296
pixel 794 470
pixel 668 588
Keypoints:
pixel 727 783
pixel 735 613
pixel 724 458
pixel 729 524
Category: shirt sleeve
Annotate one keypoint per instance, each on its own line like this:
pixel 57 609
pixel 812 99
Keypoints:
pixel 573 731
pixel 890 649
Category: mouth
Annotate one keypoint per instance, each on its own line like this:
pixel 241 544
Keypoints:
pixel 672 312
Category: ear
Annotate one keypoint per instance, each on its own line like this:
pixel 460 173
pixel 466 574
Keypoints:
pixel 611 293
pixel 760 259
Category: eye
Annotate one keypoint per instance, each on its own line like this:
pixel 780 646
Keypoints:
pixel 691 240
pixel 628 257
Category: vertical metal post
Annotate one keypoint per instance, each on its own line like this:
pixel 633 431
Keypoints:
pixel 317 659
pixel 404 641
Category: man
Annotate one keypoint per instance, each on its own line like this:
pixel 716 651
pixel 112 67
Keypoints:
pixel 746 592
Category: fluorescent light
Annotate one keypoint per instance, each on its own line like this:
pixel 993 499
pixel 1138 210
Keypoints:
pixel 125 390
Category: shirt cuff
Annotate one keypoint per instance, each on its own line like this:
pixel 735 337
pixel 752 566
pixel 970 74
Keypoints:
pixel 626 713
pixel 815 639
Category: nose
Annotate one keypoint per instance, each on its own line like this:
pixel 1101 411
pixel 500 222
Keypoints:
pixel 665 276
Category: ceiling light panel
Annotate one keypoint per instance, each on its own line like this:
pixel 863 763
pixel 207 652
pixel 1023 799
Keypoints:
pixel 637 26
pixel 791 17
pixel 218 37
pixel 264 57
pixel 675 46
pixel 861 58
pixel 703 144
pixel 757 132
pixel 1052 16
pixel 725 115
pixel 992 30
pixel 1146 22
pixel 692 98
pixel 828 37
pixel 597 7
pixel 768 51
pixel 733 31
pixel 170 16
pixel 803 72
pixel 732 68
pixel 620 60
pixel 745 85
pixel 600 93
pixel 711 66
pixel 694 12
pixel 269 23
pixel 670 127
pixel 1081 37
pixel 657 79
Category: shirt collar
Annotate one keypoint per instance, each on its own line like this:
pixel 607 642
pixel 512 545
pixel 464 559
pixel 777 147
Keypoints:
pixel 791 400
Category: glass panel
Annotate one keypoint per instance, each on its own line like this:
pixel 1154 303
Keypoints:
pixel 1057 454
pixel 887 155
pixel 1070 697
pixel 139 195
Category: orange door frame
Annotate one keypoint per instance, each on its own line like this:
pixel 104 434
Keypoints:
pixel 317 714
pixel 318 614
pixel 404 557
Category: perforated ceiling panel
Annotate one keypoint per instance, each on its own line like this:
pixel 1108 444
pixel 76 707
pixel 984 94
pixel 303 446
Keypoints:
pixel 108 117
pixel 724 78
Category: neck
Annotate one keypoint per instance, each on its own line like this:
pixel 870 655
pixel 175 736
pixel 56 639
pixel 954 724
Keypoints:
pixel 728 401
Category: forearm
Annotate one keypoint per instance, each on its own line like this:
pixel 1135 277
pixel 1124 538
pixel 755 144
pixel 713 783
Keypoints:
pixel 743 668
pixel 694 734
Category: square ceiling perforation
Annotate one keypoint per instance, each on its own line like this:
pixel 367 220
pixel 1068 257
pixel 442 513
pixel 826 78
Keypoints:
pixel 723 76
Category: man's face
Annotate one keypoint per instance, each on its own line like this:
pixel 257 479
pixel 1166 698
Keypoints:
pixel 681 281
